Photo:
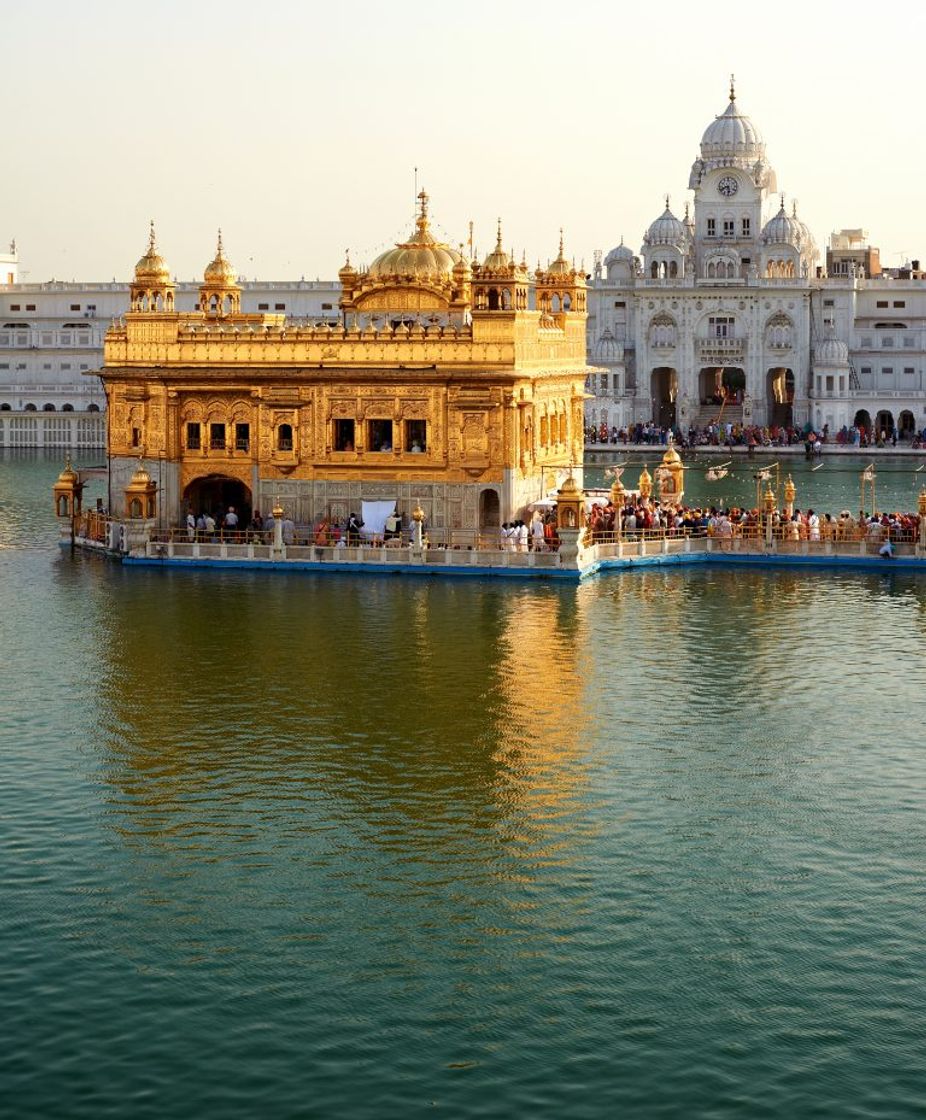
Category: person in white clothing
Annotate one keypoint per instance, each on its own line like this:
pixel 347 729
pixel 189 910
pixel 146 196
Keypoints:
pixel 813 525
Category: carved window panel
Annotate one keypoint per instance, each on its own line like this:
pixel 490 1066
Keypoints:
pixel 416 435
pixel 343 435
pixel 379 435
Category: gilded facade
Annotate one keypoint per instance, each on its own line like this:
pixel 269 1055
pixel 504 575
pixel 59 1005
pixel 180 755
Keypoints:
pixel 456 383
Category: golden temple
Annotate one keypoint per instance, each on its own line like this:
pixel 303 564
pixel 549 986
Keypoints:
pixel 447 382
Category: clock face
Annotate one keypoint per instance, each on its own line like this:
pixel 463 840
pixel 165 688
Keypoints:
pixel 728 186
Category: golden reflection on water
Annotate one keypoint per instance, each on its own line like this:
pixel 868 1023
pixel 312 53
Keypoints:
pixel 415 713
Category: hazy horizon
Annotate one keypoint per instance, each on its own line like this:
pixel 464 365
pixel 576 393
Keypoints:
pixel 297 128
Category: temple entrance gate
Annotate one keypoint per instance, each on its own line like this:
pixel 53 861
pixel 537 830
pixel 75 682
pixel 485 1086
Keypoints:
pixel 780 383
pixel 663 394
pixel 722 385
pixel 214 494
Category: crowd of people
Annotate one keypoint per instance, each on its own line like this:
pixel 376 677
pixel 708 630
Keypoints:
pixel 729 434
pixel 635 518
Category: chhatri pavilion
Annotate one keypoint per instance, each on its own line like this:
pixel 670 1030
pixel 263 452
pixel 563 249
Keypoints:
pixel 451 383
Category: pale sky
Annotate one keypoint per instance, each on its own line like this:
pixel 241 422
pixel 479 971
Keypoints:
pixel 296 126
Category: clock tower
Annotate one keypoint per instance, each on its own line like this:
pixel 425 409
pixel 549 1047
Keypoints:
pixel 731 180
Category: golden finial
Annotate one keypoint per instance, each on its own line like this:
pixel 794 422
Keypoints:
pixel 561 242
pixel 218 245
pixel 152 241
pixel 423 200
pixel 498 243
pixel 732 88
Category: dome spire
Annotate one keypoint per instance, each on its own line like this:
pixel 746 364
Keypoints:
pixel 421 220
pixel 152 240
pixel 732 88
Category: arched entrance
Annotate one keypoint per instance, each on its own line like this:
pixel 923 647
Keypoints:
pixel 489 512
pixel 862 420
pixel 663 391
pixel 722 385
pixel 906 424
pixel 214 494
pixel 780 383
pixel 884 422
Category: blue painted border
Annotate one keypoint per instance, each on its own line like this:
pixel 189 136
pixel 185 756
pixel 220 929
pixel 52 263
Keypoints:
pixel 604 565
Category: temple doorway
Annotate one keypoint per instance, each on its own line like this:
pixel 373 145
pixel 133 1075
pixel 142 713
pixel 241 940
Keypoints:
pixel 214 494
pixel 663 392
pixel 906 424
pixel 489 513
pixel 780 382
pixel 862 420
pixel 722 385
pixel 884 422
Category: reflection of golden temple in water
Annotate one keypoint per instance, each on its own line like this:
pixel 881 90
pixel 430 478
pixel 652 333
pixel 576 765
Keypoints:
pixel 483 722
pixel 449 382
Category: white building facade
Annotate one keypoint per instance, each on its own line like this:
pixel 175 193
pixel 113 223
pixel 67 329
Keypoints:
pixel 727 313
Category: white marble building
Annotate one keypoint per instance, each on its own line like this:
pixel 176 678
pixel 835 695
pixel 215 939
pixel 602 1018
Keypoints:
pixel 729 303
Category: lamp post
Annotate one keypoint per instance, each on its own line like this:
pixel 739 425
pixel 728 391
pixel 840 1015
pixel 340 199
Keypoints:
pixel 277 512
pixel 768 499
pixel 867 478
pixel 790 494
pixel 417 519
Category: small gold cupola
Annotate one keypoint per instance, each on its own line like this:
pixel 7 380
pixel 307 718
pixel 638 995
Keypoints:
pixel 68 490
pixel 152 289
pixel 141 495
pixel 561 286
pixel 220 294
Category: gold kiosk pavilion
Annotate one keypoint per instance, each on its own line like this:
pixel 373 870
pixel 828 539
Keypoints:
pixel 454 384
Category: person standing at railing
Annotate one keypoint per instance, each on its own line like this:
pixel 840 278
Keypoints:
pixel 190 525
pixel 537 537
pixel 230 524
pixel 813 525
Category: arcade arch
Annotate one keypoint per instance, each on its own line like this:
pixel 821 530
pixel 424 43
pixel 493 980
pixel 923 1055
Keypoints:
pixel 663 393
pixel 214 493
pixel 780 396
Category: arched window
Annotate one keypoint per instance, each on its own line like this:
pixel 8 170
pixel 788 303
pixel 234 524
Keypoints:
pixel 30 408
pixel 662 331
pixel 6 407
pixel 93 408
pixel 67 408
pixel 285 437
pixel 48 407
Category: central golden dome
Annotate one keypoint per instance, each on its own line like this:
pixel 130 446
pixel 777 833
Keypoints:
pixel 220 272
pixel 422 257
pixel 152 268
